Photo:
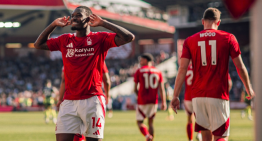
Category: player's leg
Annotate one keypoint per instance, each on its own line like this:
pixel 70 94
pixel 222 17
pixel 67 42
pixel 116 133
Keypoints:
pixel 79 137
pixel 170 112
pixel 68 122
pixel 207 135
pixel 220 138
pixel 92 113
pixel 190 119
pixel 151 126
pixel 47 113
pixel 140 116
pixel 64 137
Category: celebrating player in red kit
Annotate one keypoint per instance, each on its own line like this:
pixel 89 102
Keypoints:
pixel 107 85
pixel 84 52
pixel 210 50
pixel 150 80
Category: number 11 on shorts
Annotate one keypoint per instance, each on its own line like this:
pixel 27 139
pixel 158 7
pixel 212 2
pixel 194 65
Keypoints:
pixel 97 123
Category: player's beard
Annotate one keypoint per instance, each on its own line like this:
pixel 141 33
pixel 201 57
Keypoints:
pixel 76 28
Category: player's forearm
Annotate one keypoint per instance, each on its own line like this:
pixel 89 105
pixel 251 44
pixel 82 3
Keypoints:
pixel 163 96
pixel 43 37
pixel 121 32
pixel 107 86
pixel 243 74
pixel 179 81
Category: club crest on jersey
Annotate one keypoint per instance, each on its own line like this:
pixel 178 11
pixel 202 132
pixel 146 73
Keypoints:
pixel 70 53
pixel 89 41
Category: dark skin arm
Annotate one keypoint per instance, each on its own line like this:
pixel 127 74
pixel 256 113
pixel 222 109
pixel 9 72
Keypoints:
pixel 135 89
pixel 123 36
pixel 107 85
pixel 40 42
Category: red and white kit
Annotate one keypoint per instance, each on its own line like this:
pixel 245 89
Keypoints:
pixel 188 90
pixel 149 79
pixel 83 108
pixel 209 51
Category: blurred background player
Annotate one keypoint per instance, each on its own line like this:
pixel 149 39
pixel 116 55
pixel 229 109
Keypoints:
pixel 248 108
pixel 210 50
pixel 150 80
pixel 107 85
pixel 49 101
pixel 169 95
pixel 188 105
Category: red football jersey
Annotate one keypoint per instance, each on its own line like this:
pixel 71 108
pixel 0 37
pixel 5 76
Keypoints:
pixel 188 83
pixel 105 70
pixel 83 59
pixel 149 79
pixel 210 50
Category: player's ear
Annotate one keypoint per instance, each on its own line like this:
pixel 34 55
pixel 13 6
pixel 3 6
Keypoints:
pixel 218 22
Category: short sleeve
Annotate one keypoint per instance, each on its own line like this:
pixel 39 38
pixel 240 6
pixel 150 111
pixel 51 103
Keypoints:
pixel 160 77
pixel 136 76
pixel 234 47
pixel 54 44
pixel 186 52
pixel 105 70
pixel 108 40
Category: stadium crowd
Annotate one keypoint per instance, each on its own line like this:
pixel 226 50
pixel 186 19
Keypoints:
pixel 22 79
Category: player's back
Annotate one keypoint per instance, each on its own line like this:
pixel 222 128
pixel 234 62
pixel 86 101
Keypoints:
pixel 149 79
pixel 210 51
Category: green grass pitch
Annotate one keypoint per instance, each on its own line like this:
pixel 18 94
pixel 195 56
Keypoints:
pixel 30 126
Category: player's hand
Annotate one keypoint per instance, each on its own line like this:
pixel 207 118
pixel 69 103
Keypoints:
pixel 95 20
pixel 251 94
pixel 175 104
pixel 62 22
pixel 163 106
pixel 58 104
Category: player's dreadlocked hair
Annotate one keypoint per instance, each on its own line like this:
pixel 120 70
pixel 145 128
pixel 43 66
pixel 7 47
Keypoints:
pixel 88 10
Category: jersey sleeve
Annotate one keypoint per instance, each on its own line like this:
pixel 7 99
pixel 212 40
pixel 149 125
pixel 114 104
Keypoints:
pixel 104 70
pixel 234 47
pixel 54 44
pixel 136 76
pixel 186 52
pixel 108 40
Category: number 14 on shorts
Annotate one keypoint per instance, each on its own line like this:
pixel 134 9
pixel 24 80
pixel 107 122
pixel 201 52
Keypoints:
pixel 96 124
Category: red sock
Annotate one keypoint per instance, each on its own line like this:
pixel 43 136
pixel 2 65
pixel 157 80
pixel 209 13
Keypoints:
pixel 190 131
pixel 143 130
pixel 220 139
pixel 79 137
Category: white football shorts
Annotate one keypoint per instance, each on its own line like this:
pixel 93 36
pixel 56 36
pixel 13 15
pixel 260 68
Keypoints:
pixel 188 106
pixel 212 114
pixel 85 117
pixel 145 111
